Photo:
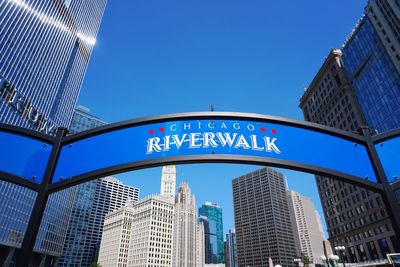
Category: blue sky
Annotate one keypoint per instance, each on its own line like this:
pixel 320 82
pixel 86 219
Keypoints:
pixel 157 57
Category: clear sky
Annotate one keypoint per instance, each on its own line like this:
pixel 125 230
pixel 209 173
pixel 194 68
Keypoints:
pixel 156 57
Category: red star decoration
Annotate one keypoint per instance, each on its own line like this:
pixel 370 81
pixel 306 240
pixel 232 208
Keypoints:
pixel 273 131
pixel 151 131
pixel 161 129
pixel 262 129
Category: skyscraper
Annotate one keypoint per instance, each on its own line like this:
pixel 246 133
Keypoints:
pixel 94 200
pixel 384 16
pixel 262 220
pixel 307 227
pixel 45 47
pixel 83 120
pixel 185 228
pixel 168 180
pixel 200 253
pixel 139 235
pixel 114 248
pixel 355 217
pixel 231 249
pixel 359 85
pixel 211 216
pixel 373 75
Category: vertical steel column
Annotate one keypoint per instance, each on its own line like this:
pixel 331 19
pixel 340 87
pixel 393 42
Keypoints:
pixel 28 243
pixel 388 196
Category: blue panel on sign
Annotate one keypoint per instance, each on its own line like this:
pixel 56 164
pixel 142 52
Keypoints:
pixel 23 156
pixel 205 137
pixel 388 152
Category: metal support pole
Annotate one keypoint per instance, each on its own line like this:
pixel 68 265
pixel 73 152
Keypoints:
pixel 39 207
pixel 388 196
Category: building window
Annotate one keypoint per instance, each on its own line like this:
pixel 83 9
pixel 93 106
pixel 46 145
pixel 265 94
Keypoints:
pixel 397 194
pixel 372 250
pixel 384 246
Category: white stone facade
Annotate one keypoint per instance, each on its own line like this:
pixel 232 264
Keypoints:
pixel 159 231
pixel 306 226
pixel 151 238
pixel 114 249
pixel 185 223
pixel 200 253
pixel 168 181
pixel 147 238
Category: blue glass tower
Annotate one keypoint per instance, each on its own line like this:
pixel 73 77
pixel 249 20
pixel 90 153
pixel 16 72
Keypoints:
pixel 211 215
pixel 45 47
pixel 373 76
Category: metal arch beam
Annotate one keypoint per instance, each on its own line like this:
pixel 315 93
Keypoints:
pixel 386 136
pixel 216 158
pixel 27 133
pixel 196 159
pixel 14 179
pixel 215 115
pixel 60 140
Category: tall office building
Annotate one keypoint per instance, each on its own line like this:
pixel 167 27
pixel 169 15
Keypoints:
pixel 139 235
pixel 114 248
pixel 45 47
pixel 83 120
pixel 78 247
pixel 262 220
pixel 94 200
pixel 384 16
pixel 168 180
pixel 373 75
pixel 185 224
pixel 355 217
pixel 211 215
pixel 231 249
pixel 200 253
pixel 359 85
pixel 307 227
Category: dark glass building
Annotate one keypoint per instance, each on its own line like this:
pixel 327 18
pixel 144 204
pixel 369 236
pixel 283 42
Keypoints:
pixel 45 47
pixel 211 215
pixel 373 77
pixel 93 201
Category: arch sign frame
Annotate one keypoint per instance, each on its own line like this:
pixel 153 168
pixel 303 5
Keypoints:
pixel 47 164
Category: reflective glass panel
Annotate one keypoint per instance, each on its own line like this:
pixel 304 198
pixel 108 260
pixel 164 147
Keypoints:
pixel 23 156
pixel 205 137
pixel 388 152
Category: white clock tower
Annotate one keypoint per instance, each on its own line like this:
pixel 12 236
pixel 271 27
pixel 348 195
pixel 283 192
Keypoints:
pixel 168 180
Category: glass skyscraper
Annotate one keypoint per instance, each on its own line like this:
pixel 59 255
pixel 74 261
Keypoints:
pixel 83 120
pixel 373 76
pixel 93 201
pixel 211 216
pixel 45 47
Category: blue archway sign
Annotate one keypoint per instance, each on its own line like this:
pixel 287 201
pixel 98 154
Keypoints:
pixel 48 164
